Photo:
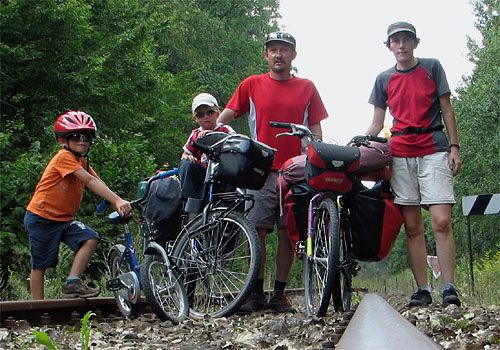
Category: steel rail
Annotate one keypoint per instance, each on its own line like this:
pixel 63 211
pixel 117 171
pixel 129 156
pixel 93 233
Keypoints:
pixel 376 325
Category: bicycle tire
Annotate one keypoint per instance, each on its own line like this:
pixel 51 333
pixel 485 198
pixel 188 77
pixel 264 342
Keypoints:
pixel 218 277
pixel 164 289
pixel 126 308
pixel 342 292
pixel 318 270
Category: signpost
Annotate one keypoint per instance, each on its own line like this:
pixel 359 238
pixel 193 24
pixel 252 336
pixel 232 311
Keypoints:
pixel 483 204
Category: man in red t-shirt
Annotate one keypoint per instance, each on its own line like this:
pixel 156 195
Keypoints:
pixel 275 96
pixel 424 163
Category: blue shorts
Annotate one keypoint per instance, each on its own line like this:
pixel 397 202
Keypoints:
pixel 45 236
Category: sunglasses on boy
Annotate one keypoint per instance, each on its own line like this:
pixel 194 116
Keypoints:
pixel 210 112
pixel 77 137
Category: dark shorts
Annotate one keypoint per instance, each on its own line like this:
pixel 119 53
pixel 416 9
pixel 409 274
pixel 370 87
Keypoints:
pixel 45 236
pixel 266 213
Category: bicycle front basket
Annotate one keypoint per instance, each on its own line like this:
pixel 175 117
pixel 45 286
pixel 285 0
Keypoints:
pixel 244 162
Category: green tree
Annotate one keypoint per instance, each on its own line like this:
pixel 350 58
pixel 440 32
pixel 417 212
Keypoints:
pixel 134 66
pixel 477 109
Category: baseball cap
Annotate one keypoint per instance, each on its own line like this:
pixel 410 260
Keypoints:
pixel 401 27
pixel 204 99
pixel 280 36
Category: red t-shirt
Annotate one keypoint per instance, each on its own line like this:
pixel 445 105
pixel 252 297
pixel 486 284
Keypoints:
pixel 58 194
pixel 413 100
pixel 292 101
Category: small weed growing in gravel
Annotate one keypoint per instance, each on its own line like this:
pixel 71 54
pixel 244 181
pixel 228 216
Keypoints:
pixel 44 339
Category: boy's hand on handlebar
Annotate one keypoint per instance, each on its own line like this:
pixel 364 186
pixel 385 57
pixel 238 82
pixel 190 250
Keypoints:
pixel 123 207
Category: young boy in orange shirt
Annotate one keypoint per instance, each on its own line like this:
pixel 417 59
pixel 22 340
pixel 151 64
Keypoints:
pixel 58 195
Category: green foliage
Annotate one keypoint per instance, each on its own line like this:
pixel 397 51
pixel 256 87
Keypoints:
pixel 136 76
pixel 487 275
pixel 85 330
pixel 477 109
pixel 44 339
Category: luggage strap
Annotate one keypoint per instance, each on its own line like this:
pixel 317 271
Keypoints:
pixel 414 130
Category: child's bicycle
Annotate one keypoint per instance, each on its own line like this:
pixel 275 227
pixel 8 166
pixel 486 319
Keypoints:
pixel 158 277
pixel 218 251
pixel 329 260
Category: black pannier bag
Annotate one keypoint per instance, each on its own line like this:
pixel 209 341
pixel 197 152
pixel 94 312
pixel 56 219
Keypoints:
pixel 163 207
pixel 244 162
pixel 375 221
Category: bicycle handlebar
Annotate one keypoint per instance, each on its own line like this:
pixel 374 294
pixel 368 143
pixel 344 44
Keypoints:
pixel 101 208
pixel 303 131
pixel 135 203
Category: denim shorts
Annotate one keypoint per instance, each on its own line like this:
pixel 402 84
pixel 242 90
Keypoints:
pixel 265 213
pixel 45 236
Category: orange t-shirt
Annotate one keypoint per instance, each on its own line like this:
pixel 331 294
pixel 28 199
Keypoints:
pixel 58 194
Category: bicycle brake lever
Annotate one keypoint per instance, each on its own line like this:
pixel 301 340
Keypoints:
pixel 284 134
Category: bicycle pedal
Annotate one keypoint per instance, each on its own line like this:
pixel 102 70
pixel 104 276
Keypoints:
pixel 359 289
pixel 300 247
pixel 115 284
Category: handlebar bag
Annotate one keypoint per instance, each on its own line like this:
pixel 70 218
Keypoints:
pixel 244 162
pixel 376 158
pixel 375 221
pixel 320 179
pixel 333 157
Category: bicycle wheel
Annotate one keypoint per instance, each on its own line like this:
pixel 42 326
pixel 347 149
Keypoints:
pixel 219 262
pixel 343 278
pixel 319 268
pixel 124 296
pixel 164 289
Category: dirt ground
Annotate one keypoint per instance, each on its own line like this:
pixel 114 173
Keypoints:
pixel 468 327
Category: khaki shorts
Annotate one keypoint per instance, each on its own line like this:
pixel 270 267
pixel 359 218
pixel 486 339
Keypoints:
pixel 265 213
pixel 422 180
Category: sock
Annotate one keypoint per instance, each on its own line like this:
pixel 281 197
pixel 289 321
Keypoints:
pixel 427 288
pixel 448 286
pixel 71 280
pixel 258 287
pixel 279 288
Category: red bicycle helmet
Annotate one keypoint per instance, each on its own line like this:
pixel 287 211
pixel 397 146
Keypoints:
pixel 74 121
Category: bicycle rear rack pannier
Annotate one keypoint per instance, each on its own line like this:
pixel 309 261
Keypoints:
pixel 375 221
pixel 244 162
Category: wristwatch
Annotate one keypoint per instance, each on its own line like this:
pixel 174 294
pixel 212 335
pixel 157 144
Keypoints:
pixel 455 145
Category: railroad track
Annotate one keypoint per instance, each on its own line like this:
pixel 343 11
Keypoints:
pixel 373 325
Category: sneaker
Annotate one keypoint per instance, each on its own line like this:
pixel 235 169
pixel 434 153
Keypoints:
pixel 255 302
pixel 278 305
pixel 420 298
pixel 450 297
pixel 79 289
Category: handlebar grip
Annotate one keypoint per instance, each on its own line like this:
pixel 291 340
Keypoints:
pixel 101 208
pixel 168 173
pixel 199 146
pixel 280 125
pixel 376 138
